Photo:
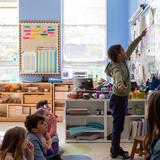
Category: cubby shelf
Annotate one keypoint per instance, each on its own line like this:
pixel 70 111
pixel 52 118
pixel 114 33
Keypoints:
pixel 73 119
pixel 17 100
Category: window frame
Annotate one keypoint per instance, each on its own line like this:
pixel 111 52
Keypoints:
pixel 72 62
pixel 8 5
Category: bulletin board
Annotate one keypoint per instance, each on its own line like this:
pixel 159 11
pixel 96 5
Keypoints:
pixel 40 48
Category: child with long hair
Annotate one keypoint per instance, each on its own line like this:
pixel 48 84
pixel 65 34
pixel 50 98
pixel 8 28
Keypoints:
pixel 152 138
pixel 50 143
pixel 16 146
pixel 51 119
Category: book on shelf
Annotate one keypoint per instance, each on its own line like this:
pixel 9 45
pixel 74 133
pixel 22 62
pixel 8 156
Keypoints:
pixel 137 128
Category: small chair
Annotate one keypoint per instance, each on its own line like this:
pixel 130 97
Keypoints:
pixel 138 147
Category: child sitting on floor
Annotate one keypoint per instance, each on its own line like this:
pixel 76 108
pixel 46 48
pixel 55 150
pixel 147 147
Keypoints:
pixel 44 110
pixel 37 127
pixel 52 119
pixel 16 146
pixel 50 144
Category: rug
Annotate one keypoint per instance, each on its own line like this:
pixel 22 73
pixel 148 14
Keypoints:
pixel 77 149
pixel 95 151
pixel 76 157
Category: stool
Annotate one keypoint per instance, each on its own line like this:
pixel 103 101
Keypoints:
pixel 138 146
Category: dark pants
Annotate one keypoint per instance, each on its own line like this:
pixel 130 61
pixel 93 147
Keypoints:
pixel 118 105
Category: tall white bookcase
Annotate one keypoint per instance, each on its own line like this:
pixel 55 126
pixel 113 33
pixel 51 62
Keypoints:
pixel 136 110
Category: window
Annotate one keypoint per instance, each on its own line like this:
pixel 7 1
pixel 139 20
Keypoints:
pixel 84 32
pixel 9 32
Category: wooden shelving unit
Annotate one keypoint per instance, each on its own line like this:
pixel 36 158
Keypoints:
pixel 17 100
pixel 60 91
pixel 21 99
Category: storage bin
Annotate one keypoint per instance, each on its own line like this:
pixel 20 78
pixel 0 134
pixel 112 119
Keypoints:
pixel 32 99
pixel 138 95
pixel 14 111
pixel 61 95
pixel 61 88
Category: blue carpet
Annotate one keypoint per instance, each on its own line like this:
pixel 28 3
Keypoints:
pixel 76 157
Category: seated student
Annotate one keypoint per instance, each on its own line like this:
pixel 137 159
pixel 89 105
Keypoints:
pixel 52 124
pixel 49 146
pixel 15 145
pixel 37 127
pixel 152 138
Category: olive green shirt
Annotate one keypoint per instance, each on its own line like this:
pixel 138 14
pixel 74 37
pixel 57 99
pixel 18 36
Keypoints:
pixel 120 72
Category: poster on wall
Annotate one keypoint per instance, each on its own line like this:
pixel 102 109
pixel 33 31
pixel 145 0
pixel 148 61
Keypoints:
pixel 40 48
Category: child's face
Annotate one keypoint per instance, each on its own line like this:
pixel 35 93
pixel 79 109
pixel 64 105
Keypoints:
pixel 41 127
pixel 46 115
pixel 122 56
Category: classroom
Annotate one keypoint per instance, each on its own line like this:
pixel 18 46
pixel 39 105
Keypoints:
pixel 80 79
